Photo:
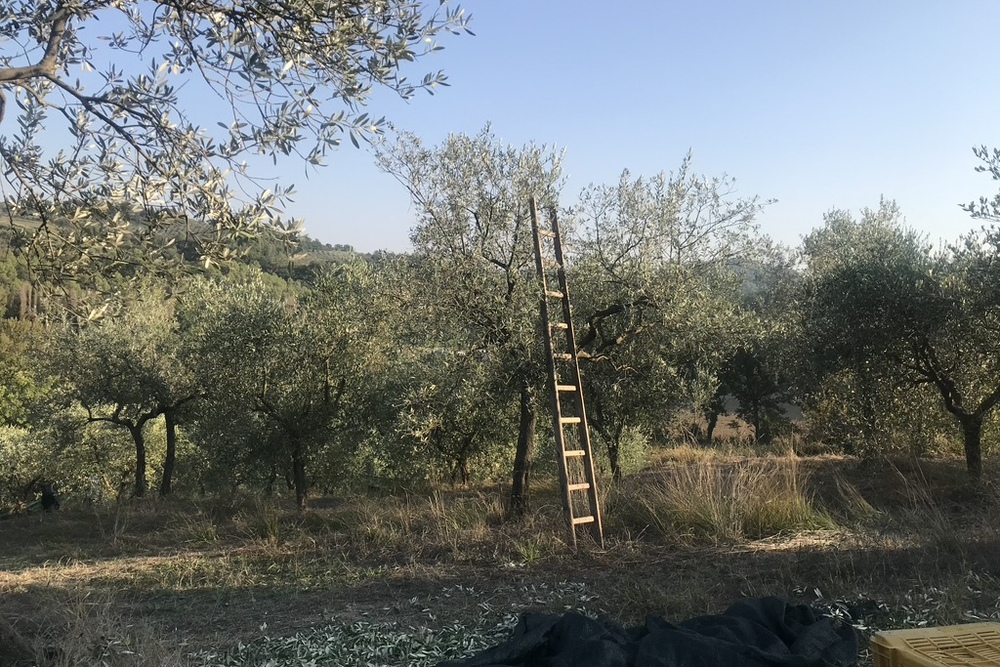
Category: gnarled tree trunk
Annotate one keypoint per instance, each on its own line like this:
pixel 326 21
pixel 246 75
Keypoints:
pixel 140 485
pixel 972 435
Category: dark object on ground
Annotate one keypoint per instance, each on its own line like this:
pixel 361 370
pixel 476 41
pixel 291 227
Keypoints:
pixel 50 501
pixel 765 632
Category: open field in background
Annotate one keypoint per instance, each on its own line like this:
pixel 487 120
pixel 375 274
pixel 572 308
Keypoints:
pixel 890 543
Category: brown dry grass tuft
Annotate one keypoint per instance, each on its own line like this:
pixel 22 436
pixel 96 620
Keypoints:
pixel 719 501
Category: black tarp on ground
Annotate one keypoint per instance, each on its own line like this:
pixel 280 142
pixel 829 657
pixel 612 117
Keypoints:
pixel 765 632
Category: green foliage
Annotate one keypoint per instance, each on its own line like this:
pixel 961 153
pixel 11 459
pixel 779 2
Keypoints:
pixel 880 304
pixel 457 410
pixel 128 368
pixel 23 385
pixel 761 373
pixel 474 267
pixel 655 299
pixel 634 447
pixel 87 462
pixel 134 167
pixel 910 422
pixel 287 373
pixel 24 460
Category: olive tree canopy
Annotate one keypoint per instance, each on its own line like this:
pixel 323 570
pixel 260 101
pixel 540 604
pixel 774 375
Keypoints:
pixel 116 148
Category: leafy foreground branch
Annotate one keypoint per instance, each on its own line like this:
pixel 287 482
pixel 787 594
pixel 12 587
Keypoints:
pixel 160 110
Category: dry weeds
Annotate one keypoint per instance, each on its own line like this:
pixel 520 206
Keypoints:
pixel 891 545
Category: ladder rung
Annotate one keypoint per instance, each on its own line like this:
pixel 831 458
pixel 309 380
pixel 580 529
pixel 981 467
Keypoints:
pixel 565 387
pixel 546 233
pixel 579 487
pixel 551 264
pixel 559 325
pixel 577 521
pixel 569 420
pixel 562 356
pixel 553 294
pixel 574 452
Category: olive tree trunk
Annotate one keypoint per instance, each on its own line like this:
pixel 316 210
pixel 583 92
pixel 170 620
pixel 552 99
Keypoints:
pixel 519 497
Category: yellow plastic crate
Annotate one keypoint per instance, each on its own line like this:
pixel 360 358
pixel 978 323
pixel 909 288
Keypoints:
pixel 971 645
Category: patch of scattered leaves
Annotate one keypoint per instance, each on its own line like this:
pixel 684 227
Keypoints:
pixel 360 644
pixel 372 644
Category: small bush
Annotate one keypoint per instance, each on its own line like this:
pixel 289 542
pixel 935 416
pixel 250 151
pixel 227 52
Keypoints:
pixel 633 452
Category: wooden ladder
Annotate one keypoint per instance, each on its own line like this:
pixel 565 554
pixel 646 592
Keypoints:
pixel 573 451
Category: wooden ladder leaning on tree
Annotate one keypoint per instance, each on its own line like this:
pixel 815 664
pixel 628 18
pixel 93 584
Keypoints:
pixel 569 417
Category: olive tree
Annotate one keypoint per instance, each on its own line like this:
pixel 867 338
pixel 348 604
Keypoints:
pixel 473 240
pixel 880 302
pixel 291 364
pixel 655 297
pixel 762 374
pixel 137 121
pixel 130 368
pixel 456 407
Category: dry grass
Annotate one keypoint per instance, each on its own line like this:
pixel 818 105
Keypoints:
pixel 689 536
pixel 720 502
pixel 90 629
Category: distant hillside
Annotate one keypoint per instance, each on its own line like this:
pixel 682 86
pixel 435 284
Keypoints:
pixel 273 254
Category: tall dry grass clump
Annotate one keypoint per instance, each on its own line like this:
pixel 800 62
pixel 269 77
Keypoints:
pixel 77 627
pixel 719 501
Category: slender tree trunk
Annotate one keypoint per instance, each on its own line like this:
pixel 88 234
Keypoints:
pixel 972 434
pixel 761 426
pixel 139 489
pixel 462 468
pixel 170 459
pixel 299 475
pixel 615 451
pixel 269 488
pixel 523 455
pixel 713 420
pixel 614 454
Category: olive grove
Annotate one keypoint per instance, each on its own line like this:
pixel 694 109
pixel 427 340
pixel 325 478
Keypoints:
pixel 146 318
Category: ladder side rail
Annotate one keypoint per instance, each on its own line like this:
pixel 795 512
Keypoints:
pixel 557 244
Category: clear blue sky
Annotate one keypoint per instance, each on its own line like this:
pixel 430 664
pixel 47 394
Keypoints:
pixel 816 104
